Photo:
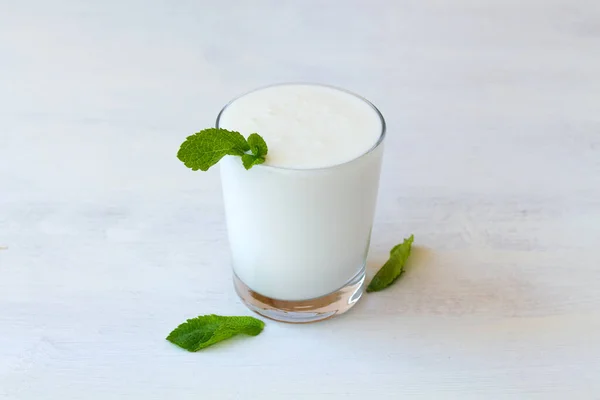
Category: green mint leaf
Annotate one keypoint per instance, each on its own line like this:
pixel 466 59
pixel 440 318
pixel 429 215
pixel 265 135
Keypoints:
pixel 250 159
pixel 393 268
pixel 257 145
pixel 204 149
pixel 204 331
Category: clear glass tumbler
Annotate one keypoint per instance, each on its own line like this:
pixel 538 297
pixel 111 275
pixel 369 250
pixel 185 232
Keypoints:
pixel 299 237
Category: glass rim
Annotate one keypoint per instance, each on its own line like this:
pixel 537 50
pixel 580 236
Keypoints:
pixel 370 150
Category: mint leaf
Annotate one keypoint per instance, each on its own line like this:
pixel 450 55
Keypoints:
pixel 257 145
pixel 204 149
pixel 393 268
pixel 204 331
pixel 250 159
pixel 259 150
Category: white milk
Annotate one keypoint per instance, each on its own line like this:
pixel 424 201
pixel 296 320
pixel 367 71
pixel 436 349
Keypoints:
pixel 299 225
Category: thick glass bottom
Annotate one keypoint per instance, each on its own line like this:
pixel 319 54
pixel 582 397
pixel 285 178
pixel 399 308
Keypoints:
pixel 303 311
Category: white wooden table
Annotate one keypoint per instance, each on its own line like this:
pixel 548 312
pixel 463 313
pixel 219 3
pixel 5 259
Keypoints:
pixel 492 161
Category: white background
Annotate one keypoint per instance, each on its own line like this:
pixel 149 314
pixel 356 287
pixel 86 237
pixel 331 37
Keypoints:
pixel 492 161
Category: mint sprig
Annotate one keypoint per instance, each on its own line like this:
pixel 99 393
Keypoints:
pixel 204 149
pixel 201 332
pixel 393 268
pixel 259 150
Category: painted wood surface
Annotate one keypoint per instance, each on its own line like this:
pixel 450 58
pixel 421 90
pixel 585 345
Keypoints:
pixel 492 161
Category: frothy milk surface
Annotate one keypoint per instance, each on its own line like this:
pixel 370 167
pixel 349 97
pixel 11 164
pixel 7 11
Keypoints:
pixel 306 126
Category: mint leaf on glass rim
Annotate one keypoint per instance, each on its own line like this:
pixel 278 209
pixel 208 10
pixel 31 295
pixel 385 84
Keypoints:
pixel 204 149
pixel 257 145
pixel 393 268
pixel 248 160
pixel 201 332
pixel 259 150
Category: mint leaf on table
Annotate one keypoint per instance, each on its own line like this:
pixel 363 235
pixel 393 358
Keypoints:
pixel 393 268
pixel 204 149
pixel 204 331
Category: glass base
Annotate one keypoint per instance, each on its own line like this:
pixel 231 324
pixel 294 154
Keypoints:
pixel 303 311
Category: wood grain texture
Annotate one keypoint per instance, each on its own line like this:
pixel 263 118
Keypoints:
pixel 492 161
